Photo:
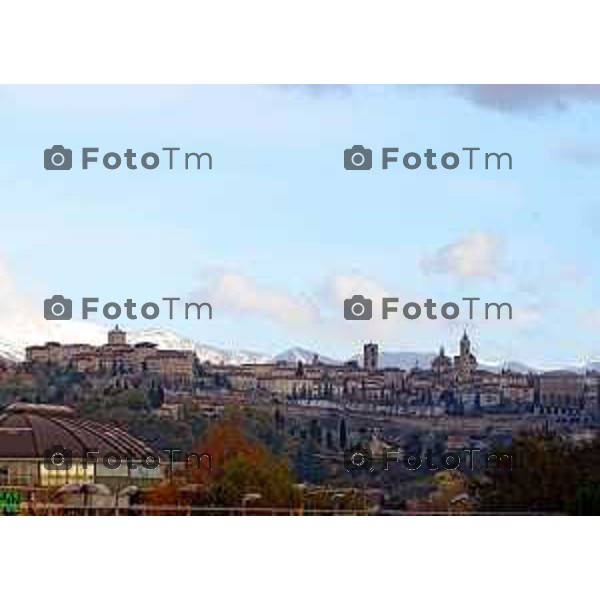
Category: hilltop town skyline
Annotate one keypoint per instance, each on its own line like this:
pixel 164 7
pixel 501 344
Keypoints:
pixel 389 357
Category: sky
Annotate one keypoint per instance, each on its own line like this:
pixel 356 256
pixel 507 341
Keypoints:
pixel 278 233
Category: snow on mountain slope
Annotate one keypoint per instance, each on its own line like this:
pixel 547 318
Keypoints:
pixel 169 340
pixel 511 365
pixel 11 351
pixel 15 337
pixel 13 348
pixel 295 354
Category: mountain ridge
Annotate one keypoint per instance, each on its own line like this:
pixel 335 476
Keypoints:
pixel 14 351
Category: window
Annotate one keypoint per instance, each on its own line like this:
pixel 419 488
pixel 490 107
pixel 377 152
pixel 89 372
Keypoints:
pixel 76 473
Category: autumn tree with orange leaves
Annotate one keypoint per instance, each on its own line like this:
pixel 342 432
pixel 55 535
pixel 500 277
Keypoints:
pixel 239 466
pixel 242 466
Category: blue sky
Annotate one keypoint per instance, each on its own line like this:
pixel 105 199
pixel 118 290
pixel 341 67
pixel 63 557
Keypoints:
pixel 278 231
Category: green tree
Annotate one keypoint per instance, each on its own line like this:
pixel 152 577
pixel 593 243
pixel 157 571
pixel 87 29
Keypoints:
pixel 343 434
pixel 549 475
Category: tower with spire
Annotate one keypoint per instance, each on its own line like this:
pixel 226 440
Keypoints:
pixel 465 344
pixel 465 363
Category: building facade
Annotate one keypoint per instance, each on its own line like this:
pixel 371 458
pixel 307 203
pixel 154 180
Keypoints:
pixel 119 357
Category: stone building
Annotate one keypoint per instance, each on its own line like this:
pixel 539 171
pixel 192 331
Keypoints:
pixel 119 357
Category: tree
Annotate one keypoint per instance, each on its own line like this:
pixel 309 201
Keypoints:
pixel 156 396
pixel 550 476
pixel 307 463
pixel 316 434
pixel 279 420
pixel 343 434
pixel 165 499
pixel 240 466
pixel 452 495
pixel 329 440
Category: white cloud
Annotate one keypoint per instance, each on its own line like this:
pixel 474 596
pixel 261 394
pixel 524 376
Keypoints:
pixel 235 292
pixel 319 313
pixel 340 287
pixel 22 322
pixel 396 331
pixel 477 256
pixel 316 317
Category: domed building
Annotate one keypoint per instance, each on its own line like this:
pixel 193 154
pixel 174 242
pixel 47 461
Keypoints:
pixel 46 448
pixel 441 364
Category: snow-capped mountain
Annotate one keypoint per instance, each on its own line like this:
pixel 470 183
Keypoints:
pixel 11 351
pixel 297 354
pixel 409 360
pixel 169 340
pixel 12 348
pixel 14 339
pixel 510 365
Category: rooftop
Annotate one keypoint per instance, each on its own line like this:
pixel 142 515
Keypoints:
pixel 28 431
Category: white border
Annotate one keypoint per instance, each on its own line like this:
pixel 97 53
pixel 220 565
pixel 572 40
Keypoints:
pixel 314 41
pixel 308 557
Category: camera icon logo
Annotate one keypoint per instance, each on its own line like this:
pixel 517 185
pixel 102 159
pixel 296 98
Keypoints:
pixel 58 308
pixel 358 158
pixel 58 458
pixel 358 458
pixel 358 308
pixel 58 158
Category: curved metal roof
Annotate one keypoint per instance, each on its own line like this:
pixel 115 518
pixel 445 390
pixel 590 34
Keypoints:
pixel 27 431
